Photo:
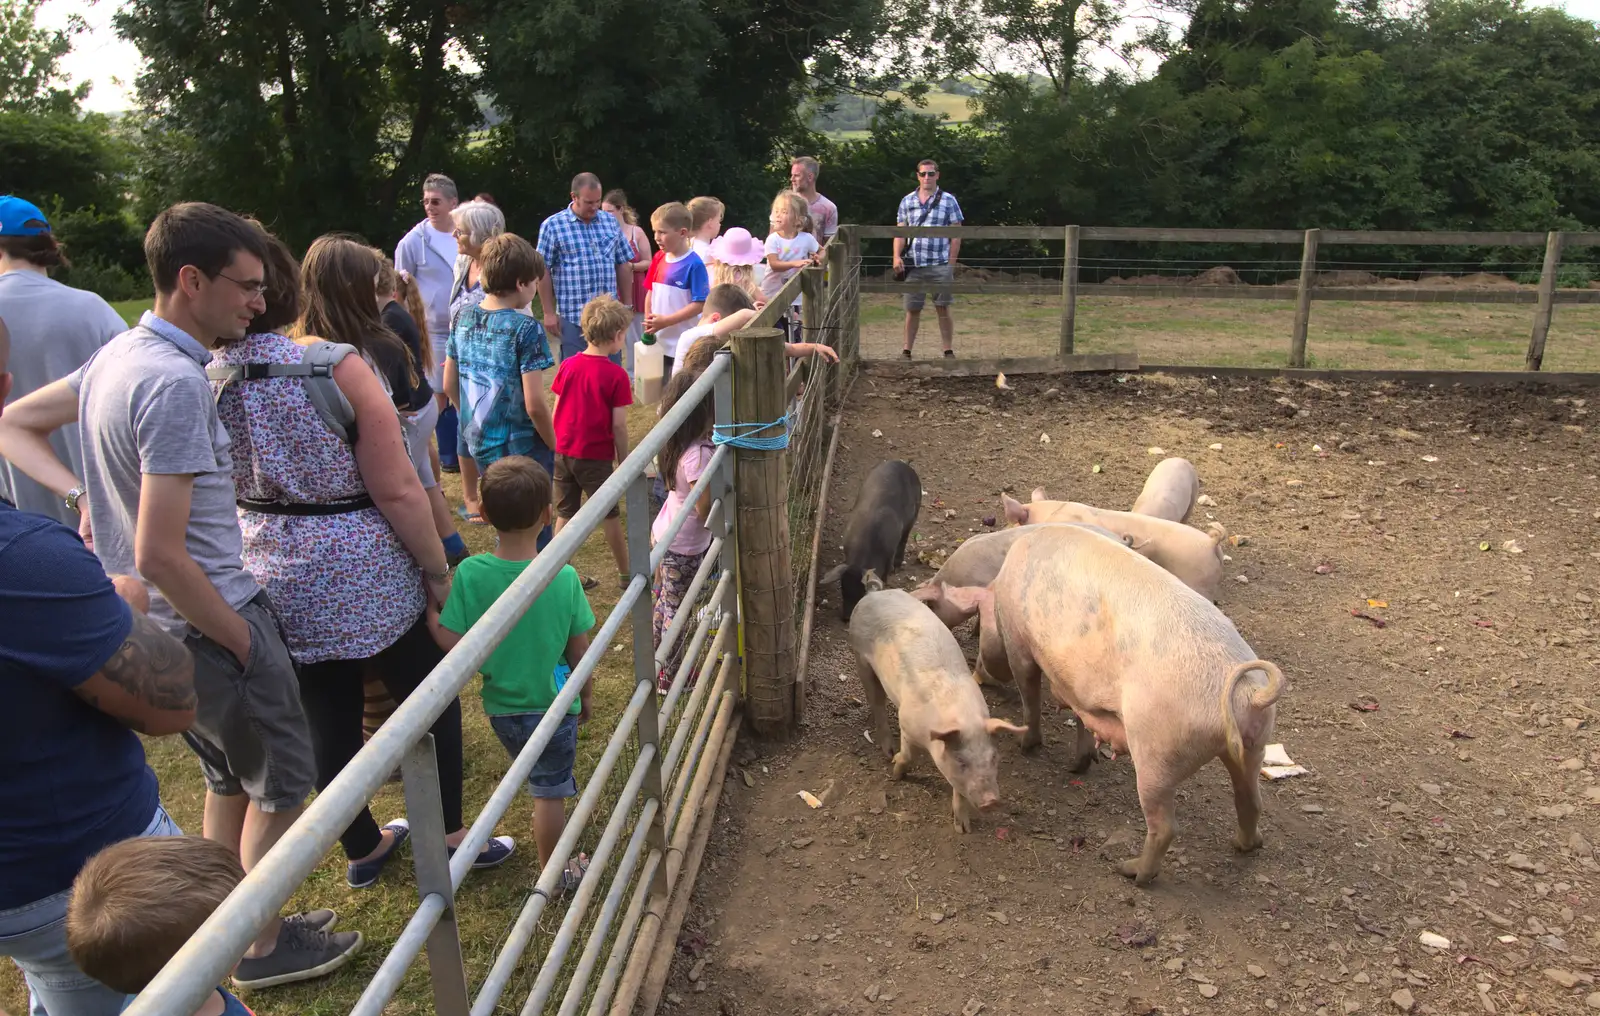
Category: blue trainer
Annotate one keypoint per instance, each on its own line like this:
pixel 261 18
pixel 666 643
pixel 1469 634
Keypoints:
pixel 361 874
pixel 494 853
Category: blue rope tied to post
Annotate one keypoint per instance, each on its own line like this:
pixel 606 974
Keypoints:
pixel 748 435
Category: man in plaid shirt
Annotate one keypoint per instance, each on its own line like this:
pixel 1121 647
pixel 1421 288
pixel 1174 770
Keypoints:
pixel 585 254
pixel 930 259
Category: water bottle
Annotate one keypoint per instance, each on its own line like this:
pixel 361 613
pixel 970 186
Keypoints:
pixel 649 369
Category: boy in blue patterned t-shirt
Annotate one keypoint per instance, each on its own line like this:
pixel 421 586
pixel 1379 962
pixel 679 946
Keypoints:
pixel 495 361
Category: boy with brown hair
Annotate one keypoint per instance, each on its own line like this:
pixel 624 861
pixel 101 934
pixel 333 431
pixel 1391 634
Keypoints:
pixel 495 361
pixel 591 420
pixel 522 677
pixel 137 902
pixel 678 281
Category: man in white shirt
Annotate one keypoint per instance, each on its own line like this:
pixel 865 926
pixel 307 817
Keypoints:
pixel 428 254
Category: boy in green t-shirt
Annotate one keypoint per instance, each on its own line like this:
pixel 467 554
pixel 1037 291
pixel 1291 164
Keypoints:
pixel 522 676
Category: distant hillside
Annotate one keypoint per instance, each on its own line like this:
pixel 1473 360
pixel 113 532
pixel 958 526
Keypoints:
pixel 851 115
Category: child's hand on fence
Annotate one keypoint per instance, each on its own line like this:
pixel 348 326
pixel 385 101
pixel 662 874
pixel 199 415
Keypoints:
pixel 826 352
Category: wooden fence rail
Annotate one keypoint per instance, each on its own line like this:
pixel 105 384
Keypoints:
pixel 1303 293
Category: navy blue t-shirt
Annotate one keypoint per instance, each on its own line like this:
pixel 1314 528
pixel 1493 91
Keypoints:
pixel 75 779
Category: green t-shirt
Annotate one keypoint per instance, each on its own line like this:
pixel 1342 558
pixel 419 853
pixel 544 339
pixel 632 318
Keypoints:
pixel 519 677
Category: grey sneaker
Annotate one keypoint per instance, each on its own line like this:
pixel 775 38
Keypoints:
pixel 302 952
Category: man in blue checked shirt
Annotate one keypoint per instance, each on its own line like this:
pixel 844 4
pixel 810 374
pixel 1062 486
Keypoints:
pixel 930 259
pixel 586 255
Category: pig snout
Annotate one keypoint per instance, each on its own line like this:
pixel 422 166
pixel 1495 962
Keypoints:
pixel 987 801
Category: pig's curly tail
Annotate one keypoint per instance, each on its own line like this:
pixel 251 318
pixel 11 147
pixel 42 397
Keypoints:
pixel 1219 533
pixel 1261 698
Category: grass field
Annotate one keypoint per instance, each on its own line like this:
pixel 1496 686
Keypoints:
pixel 488 901
pixel 1248 333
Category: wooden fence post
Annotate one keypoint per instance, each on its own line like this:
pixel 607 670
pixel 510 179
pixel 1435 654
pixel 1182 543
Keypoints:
pixel 766 582
pixel 1547 299
pixel 851 337
pixel 1302 299
pixel 1069 291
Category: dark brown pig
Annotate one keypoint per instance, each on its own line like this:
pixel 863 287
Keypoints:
pixel 1148 665
pixel 875 537
pixel 905 656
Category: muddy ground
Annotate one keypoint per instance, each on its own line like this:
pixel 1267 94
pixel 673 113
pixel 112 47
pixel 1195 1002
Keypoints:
pixel 1464 805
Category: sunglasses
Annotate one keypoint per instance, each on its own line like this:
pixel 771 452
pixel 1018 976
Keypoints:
pixel 931 172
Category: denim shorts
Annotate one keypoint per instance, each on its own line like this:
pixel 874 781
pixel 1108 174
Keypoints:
pixel 552 774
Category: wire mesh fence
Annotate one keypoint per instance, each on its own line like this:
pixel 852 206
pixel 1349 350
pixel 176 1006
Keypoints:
pixel 1410 303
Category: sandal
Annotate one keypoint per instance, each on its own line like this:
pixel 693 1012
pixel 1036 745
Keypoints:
pixel 588 582
pixel 572 874
pixel 906 353
pixel 471 518
pixel 950 353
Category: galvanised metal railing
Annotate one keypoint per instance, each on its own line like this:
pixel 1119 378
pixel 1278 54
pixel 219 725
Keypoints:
pixel 676 737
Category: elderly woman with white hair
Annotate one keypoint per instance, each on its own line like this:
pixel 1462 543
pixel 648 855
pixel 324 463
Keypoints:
pixel 476 222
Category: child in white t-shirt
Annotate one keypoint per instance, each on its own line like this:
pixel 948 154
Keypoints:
pixel 677 283
pixel 789 247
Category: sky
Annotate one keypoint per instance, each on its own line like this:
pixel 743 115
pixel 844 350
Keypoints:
pixel 111 64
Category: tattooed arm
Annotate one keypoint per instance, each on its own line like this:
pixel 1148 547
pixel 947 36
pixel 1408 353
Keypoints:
pixel 148 684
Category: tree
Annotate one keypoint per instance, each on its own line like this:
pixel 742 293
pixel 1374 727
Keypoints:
pixel 313 114
pixel 30 75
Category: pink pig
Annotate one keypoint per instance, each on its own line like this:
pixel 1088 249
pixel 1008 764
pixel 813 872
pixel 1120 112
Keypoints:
pixel 1195 557
pixel 1170 491
pixel 1148 665
pixel 906 656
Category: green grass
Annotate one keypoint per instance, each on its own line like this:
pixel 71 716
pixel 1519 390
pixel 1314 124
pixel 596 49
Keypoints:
pixel 488 901
pixel 1248 333
pixel 131 309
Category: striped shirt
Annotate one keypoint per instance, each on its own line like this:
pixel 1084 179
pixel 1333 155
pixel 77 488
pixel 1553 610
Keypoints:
pixel 582 258
pixel 942 210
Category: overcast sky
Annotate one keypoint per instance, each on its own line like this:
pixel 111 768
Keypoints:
pixel 112 64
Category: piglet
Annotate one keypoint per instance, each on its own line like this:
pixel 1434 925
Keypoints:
pixel 905 656
pixel 975 563
pixel 1195 557
pixel 875 537
pixel 1148 664
pixel 1170 491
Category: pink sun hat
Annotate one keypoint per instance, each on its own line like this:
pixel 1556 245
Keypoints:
pixel 738 247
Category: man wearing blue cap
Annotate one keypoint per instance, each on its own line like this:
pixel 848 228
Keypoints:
pixel 54 330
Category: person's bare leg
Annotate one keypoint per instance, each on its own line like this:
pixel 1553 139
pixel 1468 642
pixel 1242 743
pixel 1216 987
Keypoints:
pixel 947 326
pixel 617 542
pixel 443 524
pixel 913 318
pixel 549 821
pixel 261 830
pixel 469 483
pixel 224 818
pixel 556 526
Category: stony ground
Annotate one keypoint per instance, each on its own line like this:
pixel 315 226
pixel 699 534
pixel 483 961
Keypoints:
pixel 1422 562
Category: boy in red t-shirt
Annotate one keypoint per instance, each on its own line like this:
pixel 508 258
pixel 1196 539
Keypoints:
pixel 591 421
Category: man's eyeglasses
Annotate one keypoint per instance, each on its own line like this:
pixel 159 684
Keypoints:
pixel 928 172
pixel 252 288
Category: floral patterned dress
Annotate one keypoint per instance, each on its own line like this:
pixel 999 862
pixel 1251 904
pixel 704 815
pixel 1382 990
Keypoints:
pixel 344 585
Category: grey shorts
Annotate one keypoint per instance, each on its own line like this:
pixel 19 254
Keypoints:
pixel 417 429
pixel 250 731
pixel 942 297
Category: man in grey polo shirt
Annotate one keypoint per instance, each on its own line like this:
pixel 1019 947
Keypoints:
pixel 158 489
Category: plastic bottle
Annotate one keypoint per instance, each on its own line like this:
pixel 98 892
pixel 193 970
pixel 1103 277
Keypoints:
pixel 649 368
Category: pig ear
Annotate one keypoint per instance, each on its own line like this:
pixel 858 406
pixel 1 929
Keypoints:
pixel 967 599
pixel 1015 512
pixel 950 737
pixel 1038 494
pixel 832 575
pixel 996 725
pixel 927 594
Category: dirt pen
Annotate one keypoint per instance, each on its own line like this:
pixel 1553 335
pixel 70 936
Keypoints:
pixel 1422 562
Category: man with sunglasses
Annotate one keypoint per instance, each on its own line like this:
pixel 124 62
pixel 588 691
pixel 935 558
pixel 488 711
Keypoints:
pixel 930 259
pixel 158 488
pixel 428 254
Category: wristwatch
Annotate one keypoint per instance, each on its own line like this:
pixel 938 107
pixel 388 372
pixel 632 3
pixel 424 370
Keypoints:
pixel 71 500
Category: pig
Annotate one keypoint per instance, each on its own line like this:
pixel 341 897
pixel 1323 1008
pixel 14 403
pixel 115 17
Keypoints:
pixel 975 563
pixel 905 656
pixel 1195 557
pixel 875 537
pixel 1170 491
pixel 1148 664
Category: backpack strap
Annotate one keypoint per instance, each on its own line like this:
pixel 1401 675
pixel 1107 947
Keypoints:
pixel 316 367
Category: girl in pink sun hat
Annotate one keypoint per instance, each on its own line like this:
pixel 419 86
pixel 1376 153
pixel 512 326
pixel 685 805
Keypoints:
pixel 739 258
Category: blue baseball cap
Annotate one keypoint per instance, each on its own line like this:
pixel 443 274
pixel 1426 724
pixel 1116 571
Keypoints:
pixel 21 218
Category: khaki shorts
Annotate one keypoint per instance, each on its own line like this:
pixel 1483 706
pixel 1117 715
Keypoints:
pixel 942 297
pixel 576 478
pixel 250 731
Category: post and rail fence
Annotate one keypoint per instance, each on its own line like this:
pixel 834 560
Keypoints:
pixel 617 932
pixel 1545 297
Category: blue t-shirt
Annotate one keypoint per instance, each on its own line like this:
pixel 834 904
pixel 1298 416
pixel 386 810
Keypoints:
pixel 74 779
pixel 492 350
